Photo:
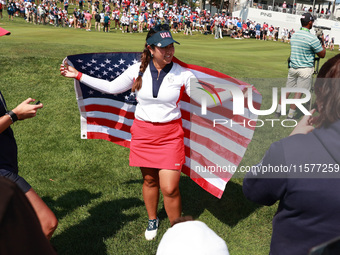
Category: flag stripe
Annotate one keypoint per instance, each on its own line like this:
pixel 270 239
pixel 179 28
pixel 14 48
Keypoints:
pixel 109 131
pixel 109 102
pixel 110 109
pixel 108 123
pixel 209 155
pixel 215 191
pixel 110 138
pixel 208 176
pixel 213 146
pixel 223 113
pixel 217 170
pixel 238 127
pixel 205 127
pixel 109 116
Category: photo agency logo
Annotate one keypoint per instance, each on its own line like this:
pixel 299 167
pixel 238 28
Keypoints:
pixel 241 94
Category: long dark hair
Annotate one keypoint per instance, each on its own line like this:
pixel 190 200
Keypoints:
pixel 146 56
pixel 327 91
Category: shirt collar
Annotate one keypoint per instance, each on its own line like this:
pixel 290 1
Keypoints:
pixel 165 70
pixel 304 29
pixel 158 79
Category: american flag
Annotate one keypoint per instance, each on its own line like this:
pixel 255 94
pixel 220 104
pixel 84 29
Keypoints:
pixel 212 153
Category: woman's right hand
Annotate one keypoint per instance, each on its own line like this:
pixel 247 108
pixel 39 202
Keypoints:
pixel 68 71
pixel 305 125
pixel 26 110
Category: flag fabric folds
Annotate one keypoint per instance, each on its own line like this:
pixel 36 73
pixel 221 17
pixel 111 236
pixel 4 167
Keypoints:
pixel 213 152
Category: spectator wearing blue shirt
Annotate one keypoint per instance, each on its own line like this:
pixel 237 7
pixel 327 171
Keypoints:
pixel 106 22
pixel 258 31
pixel 239 25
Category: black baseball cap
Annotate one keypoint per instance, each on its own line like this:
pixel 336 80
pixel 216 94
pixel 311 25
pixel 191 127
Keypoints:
pixel 306 17
pixel 161 39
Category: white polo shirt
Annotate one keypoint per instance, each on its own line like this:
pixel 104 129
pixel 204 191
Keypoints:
pixel 163 108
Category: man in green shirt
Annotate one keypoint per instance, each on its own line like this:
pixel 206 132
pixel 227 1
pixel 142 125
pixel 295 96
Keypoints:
pixel 304 46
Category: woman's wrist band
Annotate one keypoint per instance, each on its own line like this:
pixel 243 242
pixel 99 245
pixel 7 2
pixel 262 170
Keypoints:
pixel 13 116
pixel 140 74
pixel 79 75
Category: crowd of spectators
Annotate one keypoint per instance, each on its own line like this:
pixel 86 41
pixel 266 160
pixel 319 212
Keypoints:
pixel 130 18
pixel 238 29
pixel 123 15
pixel 137 18
pixel 319 12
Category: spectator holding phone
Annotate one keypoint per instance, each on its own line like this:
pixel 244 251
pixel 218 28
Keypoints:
pixel 9 161
pixel 9 157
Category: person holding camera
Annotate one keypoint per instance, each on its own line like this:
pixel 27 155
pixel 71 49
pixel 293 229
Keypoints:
pixel 304 46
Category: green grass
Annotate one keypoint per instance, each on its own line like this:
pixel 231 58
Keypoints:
pixel 88 183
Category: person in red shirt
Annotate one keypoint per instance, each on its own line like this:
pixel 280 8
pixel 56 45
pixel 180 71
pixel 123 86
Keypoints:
pixel 271 32
pixel 245 30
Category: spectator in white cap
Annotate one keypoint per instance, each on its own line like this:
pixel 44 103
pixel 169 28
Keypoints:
pixel 191 237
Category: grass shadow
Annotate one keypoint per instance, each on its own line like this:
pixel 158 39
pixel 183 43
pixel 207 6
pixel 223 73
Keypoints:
pixel 70 201
pixel 230 209
pixel 137 181
pixel 104 221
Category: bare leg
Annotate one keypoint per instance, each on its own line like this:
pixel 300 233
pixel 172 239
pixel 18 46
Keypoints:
pixel 169 183
pixel 46 217
pixel 151 191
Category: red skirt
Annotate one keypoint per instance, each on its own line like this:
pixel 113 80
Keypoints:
pixel 157 145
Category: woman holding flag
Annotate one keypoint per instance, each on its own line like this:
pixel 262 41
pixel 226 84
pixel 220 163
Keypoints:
pixel 157 143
